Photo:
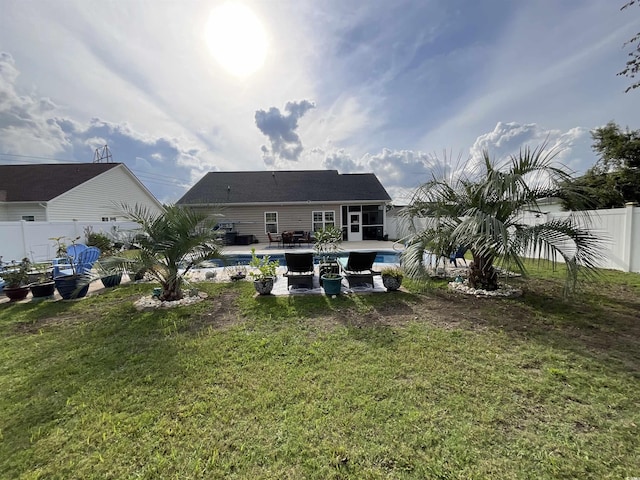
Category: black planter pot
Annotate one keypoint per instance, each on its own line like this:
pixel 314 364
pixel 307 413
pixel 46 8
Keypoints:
pixel 16 293
pixel 71 286
pixel 111 280
pixel 43 290
pixel 391 283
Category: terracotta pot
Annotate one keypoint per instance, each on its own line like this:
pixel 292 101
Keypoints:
pixel 16 293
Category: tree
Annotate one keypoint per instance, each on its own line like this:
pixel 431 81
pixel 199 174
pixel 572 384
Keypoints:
pixel 171 243
pixel 615 178
pixel 617 148
pixel 482 210
pixel 633 64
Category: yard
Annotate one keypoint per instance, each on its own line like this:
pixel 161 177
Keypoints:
pixel 427 384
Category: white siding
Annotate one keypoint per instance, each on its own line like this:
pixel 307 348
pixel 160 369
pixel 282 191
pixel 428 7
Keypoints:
pixel 13 212
pixel 249 220
pixel 101 197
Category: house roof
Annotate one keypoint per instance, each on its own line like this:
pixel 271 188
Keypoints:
pixel 283 186
pixel 45 181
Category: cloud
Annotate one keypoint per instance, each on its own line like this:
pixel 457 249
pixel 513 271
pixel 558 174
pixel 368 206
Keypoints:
pixel 32 130
pixel 25 126
pixel 401 171
pixel 280 129
pixel 573 145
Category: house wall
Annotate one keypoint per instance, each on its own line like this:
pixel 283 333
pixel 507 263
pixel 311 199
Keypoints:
pixel 101 197
pixel 249 220
pixel 10 212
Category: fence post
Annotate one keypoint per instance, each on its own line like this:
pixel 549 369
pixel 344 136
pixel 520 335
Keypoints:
pixel 23 225
pixel 628 237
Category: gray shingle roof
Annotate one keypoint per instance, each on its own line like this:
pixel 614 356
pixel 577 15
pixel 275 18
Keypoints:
pixel 284 187
pixel 45 181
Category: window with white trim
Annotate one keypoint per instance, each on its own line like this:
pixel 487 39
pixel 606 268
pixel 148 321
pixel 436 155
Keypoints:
pixel 322 219
pixel 270 222
pixel 28 218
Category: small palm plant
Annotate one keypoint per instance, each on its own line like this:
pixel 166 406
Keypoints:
pixel 171 243
pixel 483 208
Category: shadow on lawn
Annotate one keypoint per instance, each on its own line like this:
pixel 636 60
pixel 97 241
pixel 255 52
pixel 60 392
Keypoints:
pixel 595 322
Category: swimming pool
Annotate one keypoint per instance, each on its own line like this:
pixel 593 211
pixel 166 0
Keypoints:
pixel 383 256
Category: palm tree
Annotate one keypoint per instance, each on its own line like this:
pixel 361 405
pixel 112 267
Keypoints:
pixel 175 238
pixel 482 209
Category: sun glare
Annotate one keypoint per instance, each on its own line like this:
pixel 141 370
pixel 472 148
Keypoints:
pixel 236 39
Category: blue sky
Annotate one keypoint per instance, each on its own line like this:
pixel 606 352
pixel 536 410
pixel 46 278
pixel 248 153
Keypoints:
pixel 390 87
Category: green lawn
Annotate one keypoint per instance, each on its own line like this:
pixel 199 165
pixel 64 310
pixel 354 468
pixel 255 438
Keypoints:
pixel 428 384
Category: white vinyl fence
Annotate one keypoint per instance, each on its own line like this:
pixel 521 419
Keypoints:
pixel 618 228
pixel 32 239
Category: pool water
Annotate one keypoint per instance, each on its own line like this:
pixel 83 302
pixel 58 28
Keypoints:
pixel 383 256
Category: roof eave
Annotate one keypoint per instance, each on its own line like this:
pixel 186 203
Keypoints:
pixel 305 202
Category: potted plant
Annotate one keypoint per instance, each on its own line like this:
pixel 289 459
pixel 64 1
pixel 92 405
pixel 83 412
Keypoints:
pixel 331 283
pixel 392 278
pixel 75 285
pixel 43 286
pixel 326 245
pixel 16 277
pixel 265 276
pixel 110 270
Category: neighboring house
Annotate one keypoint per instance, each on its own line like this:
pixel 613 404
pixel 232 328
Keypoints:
pixel 70 191
pixel 254 203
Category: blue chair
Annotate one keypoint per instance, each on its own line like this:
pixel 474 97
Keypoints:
pixel 82 263
pixel 459 253
pixel 74 250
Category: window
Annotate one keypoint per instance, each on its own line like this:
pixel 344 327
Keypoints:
pixel 270 222
pixel 323 219
pixel 108 219
pixel 28 218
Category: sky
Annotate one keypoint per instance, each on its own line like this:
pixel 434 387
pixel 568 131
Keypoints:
pixel 399 88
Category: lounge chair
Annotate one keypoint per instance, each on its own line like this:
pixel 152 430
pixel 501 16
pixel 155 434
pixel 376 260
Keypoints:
pixel 299 269
pixel 277 239
pixel 82 263
pixel 357 268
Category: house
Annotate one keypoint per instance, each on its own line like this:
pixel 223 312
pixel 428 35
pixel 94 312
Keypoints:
pixel 70 191
pixel 253 204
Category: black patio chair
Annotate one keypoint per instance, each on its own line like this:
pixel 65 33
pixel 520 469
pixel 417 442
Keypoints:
pixel 299 269
pixel 357 268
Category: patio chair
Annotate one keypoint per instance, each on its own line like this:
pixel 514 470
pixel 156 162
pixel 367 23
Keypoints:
pixel 76 249
pixel 82 263
pixel 459 253
pixel 277 239
pixel 299 269
pixel 357 268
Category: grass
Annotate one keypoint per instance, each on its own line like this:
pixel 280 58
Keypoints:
pixel 428 384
